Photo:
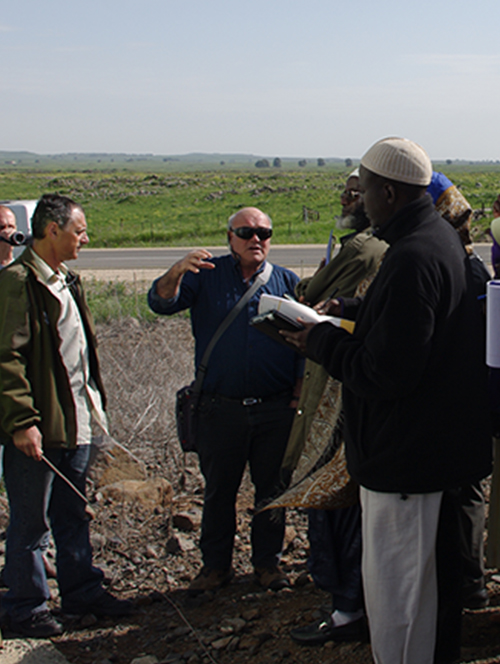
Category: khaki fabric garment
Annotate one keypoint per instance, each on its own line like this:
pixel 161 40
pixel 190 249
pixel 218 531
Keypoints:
pixel 315 451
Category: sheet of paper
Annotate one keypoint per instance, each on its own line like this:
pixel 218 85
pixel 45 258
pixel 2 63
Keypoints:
pixel 492 324
pixel 293 310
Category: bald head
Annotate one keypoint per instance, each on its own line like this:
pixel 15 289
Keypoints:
pixel 249 213
pixel 7 228
pixel 249 236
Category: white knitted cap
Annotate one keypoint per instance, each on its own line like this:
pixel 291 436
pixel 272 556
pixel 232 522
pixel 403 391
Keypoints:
pixel 399 159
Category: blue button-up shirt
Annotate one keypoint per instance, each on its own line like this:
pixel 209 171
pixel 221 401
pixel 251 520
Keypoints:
pixel 244 362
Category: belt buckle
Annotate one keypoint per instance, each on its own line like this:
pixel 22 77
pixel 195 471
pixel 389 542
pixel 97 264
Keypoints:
pixel 250 401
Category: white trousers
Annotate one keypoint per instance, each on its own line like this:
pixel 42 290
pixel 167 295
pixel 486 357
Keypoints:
pixel 399 574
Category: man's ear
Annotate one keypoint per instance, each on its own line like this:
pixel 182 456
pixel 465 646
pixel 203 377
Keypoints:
pixel 52 229
pixel 390 193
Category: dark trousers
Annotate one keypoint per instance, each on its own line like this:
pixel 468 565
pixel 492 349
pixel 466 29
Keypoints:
pixel 449 569
pixel 472 520
pixel 229 435
pixel 335 560
pixel 37 497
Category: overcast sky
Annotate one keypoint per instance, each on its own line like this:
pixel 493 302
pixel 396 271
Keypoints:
pixel 301 78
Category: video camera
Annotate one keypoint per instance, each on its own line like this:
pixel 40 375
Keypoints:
pixel 17 239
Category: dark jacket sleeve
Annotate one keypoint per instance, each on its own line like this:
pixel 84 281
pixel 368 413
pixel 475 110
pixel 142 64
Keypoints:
pixel 386 360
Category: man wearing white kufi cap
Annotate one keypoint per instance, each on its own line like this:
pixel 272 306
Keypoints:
pixel 415 399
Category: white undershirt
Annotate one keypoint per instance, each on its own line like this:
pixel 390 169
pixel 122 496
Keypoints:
pixel 75 355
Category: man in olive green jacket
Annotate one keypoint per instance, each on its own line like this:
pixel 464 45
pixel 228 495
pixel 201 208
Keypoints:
pixel 51 397
pixel 335 535
pixel 34 378
pixel 357 260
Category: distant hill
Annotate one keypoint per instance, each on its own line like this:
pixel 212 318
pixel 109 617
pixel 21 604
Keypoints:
pixel 81 161
pixel 107 161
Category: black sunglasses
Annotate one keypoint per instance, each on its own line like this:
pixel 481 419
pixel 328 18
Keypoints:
pixel 350 194
pixel 247 232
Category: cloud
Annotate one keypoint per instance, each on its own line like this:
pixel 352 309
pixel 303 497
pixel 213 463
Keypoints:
pixel 459 64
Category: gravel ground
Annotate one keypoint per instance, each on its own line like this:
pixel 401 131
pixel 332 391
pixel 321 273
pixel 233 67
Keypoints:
pixel 148 548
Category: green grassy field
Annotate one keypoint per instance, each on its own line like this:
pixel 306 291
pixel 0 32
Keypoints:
pixel 135 208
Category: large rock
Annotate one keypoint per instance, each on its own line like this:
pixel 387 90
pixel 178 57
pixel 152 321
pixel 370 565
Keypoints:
pixel 149 493
pixel 113 462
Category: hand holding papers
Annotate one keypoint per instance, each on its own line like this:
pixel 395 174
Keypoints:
pixel 278 313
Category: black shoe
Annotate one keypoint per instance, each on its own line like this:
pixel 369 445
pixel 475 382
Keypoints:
pixel 477 600
pixel 322 631
pixel 105 605
pixel 38 626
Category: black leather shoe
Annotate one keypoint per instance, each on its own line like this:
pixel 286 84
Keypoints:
pixel 322 631
pixel 477 600
pixel 40 625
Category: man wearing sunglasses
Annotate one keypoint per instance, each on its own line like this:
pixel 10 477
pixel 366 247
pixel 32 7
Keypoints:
pixel 248 396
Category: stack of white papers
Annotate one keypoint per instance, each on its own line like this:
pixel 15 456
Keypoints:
pixel 292 310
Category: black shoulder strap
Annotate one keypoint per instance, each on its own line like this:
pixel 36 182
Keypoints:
pixel 260 280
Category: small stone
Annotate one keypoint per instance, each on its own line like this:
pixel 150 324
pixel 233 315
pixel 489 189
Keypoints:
pixel 145 659
pixel 290 535
pixel 186 522
pixel 232 625
pixel 302 580
pixel 219 644
pixel 98 541
pixel 172 658
pixel 253 597
pixel 247 642
pixel 185 543
pixel 173 545
pixel 250 614
pixel 151 551
pixel 233 644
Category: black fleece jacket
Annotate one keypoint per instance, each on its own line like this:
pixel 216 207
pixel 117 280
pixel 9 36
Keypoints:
pixel 413 372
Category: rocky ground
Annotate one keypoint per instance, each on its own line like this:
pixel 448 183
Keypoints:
pixel 145 538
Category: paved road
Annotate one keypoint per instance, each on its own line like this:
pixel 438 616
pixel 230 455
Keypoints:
pixel 306 255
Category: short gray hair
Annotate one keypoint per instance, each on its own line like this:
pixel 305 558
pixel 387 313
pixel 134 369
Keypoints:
pixel 233 216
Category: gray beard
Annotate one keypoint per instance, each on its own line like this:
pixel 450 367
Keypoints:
pixel 356 222
pixel 342 223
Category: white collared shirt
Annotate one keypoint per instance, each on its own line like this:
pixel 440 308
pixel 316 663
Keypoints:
pixel 75 355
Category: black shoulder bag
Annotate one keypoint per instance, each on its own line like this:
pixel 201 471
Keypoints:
pixel 188 397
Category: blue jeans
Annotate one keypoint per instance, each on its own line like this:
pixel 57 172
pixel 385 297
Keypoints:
pixel 229 436
pixel 38 497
